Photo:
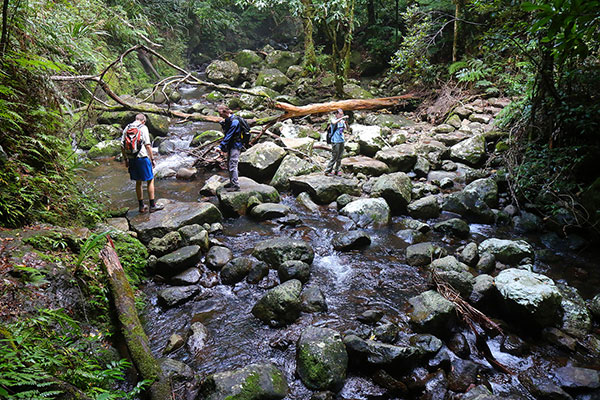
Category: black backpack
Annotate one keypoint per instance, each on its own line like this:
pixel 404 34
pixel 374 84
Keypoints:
pixel 330 131
pixel 245 133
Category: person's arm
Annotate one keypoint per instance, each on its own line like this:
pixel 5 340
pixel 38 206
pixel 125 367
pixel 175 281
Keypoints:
pixel 123 149
pixel 335 121
pixel 229 135
pixel 150 154
pixel 148 144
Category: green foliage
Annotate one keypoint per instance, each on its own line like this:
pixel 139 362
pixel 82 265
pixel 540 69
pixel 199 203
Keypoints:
pixel 42 355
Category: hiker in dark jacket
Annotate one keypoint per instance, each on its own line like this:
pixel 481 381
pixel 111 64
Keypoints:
pixel 231 144
pixel 339 124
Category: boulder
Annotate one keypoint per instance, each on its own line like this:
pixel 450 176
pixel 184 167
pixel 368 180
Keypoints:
pixel 178 261
pixel 506 251
pixel 279 250
pixel 273 79
pixel 431 313
pixel 166 244
pixel 282 59
pixel 541 386
pixel 186 174
pixel 485 189
pixel 369 139
pixel 223 72
pixel 256 381
pixel 425 208
pixel 175 342
pixel 194 234
pixel 576 320
pixel 470 151
pixel 368 212
pixel 324 189
pixel 304 200
pixel 217 257
pixel 381 354
pixel 321 359
pixel 576 378
pixel 236 270
pixel 470 254
pixel 453 227
pixel 289 167
pixel 313 300
pixel 281 305
pixel 247 59
pixel 527 222
pixel 395 188
pixel 350 240
pixel 294 269
pixel 205 137
pixel 267 211
pixel 211 185
pixel 530 296
pixel 450 270
pixel 397 160
pixel 106 148
pixel 422 253
pixel 175 295
pixel 388 120
pixel 236 203
pixel 468 205
pixel 120 224
pixel 364 165
pixel 261 161
pixel 190 276
pixel 197 338
pixel 354 91
pixel 172 217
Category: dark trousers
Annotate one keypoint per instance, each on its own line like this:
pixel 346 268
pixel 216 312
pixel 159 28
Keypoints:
pixel 337 150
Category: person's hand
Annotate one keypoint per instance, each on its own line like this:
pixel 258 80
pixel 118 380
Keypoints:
pixel 126 162
pixel 153 163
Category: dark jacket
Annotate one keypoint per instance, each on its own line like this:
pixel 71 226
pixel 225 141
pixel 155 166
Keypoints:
pixel 231 129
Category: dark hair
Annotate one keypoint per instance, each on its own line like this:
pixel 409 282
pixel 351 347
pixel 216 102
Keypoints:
pixel 223 108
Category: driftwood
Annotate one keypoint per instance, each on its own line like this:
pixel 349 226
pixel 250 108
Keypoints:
pixel 135 337
pixel 478 322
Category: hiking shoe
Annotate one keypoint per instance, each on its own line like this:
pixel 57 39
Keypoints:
pixel 339 173
pixel 143 209
pixel 228 185
pixel 233 188
pixel 328 173
pixel 156 208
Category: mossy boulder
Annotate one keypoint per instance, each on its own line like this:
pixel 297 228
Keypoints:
pixel 236 203
pixel 395 188
pixel 470 151
pixel 107 148
pixel 289 167
pixel 432 313
pixel 223 72
pixel 282 60
pixel 261 161
pixel 178 261
pixel 166 244
pixel 205 137
pixel 397 160
pixel 354 91
pixel 368 212
pixel 273 79
pixel 254 382
pixel 388 120
pixel 321 359
pixel 247 59
pixel 281 305
pixel 279 250
pixel 236 270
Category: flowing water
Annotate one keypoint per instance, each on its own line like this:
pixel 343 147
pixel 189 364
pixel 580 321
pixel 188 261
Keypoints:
pixel 353 282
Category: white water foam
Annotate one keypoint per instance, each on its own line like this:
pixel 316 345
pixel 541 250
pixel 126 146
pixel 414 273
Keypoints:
pixel 335 267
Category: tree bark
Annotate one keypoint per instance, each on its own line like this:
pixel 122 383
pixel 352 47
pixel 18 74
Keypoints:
pixel 147 65
pixel 371 12
pixel 135 337
pixel 308 14
pixel 4 37
pixel 457 28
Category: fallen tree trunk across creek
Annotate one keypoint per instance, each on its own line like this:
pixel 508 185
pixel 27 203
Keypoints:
pixel 135 337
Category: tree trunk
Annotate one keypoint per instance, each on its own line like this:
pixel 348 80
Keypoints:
pixel 308 13
pixel 147 65
pixel 457 28
pixel 135 337
pixel 371 12
pixel 4 37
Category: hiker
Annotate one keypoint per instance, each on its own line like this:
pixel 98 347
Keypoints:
pixel 137 153
pixel 231 144
pixel 338 124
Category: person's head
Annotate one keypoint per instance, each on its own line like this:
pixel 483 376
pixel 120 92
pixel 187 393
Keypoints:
pixel 223 111
pixel 141 118
pixel 339 113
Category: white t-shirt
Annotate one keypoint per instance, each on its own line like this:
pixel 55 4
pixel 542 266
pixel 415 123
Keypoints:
pixel 145 138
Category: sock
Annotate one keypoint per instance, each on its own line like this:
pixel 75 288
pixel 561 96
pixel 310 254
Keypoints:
pixel 152 204
pixel 141 203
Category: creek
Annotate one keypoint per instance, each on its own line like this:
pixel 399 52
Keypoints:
pixel 377 277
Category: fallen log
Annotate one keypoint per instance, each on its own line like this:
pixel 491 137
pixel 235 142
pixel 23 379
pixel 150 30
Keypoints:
pixel 135 337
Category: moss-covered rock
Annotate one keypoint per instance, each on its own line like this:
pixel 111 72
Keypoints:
pixel 282 59
pixel 205 137
pixel 281 305
pixel 247 59
pixel 354 91
pixel 223 72
pixel 254 382
pixel 273 79
pixel 107 148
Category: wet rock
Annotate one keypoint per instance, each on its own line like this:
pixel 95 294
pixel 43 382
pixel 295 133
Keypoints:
pixel 195 236
pixel 236 203
pixel 506 251
pixel 281 305
pixel 175 370
pixel 541 387
pixel 395 188
pixel 470 254
pixel 321 359
pixel 205 137
pixel 189 231
pixel 174 343
pixel 223 72
pixel 410 223
pixel 323 396
pixel 486 263
pixel 186 174
pixel 177 261
pixel 190 276
pixel 368 212
pixel 120 224
pixel 396 160
pixel 324 189
pixel 485 189
pixel 107 148
pixel 217 257
pixel 469 205
pixel 313 300
pixel 483 289
pixel 512 344
pixel 595 306
pixel 455 227
pixel 289 167
pixel 258 271
pixel 559 338
pixel 394 386
pixel 529 295
pixel 576 320
pixel 527 222
pixel 422 166
pixel 175 295
pixel 481 392
pixel 386 332
pixel 459 345
pixel 425 208
pixel 256 381
pixel 410 236
pixel 305 201
pixel 370 316
pixel 442 359
pixel 236 270
pixel 450 270
pixel 267 211
pixel 174 216
pixel 166 244
pixel 446 183
pixel 570 377
pixel 377 353
pixel 197 338
pixel 422 253
pixel 431 312
pixel 428 344
pixel 261 161
pixel 247 59
pixel 350 240
pixel 294 269
pixel 279 250
pixel 462 375
pixel 364 165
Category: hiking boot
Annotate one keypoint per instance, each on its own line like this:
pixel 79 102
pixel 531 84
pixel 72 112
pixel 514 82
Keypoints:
pixel 228 185
pixel 143 209
pixel 233 188
pixel 156 208
pixel 339 173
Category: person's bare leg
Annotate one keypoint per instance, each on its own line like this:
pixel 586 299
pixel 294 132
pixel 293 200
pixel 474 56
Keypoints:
pixel 138 190
pixel 151 189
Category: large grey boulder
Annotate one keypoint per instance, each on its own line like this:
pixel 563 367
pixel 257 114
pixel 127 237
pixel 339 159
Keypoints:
pixel 381 354
pixel 425 208
pixel 261 161
pixel 279 250
pixel 530 296
pixel 256 382
pixel 470 151
pixel 273 79
pixel 282 59
pixel 431 313
pixel 247 59
pixel 194 234
pixel 354 91
pixel 236 203
pixel 450 270
pixel 223 72
pixel 268 211
pixel 321 359
pixel 369 138
pixel 106 148
pixel 422 253
pixel 190 276
pixel 313 300
pixel 175 295
pixel 430 149
pixel 577 319
pixel 178 261
pixel 368 212
pixel 397 160
pixel 236 270
pixel 395 188
pixel 541 386
pixel 172 217
pixel 289 167
pixel 281 305
pixel 485 189
pixel 345 241
pixel 365 165
pixel 506 251
pixel 388 120
pixel 468 205
pixel 217 257
pixel 454 227
pixel 294 269
pixel 323 189
pixel 166 244
pixel 576 378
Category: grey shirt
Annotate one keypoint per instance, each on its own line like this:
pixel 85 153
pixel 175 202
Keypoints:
pixel 145 138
